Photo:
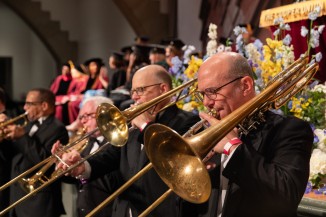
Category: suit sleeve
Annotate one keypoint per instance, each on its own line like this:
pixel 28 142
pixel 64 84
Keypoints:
pixel 35 150
pixel 280 174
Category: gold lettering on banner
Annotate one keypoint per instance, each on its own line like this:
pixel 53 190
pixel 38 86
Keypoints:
pixel 292 12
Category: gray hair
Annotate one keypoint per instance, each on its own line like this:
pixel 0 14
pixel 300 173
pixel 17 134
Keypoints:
pixel 239 67
pixel 98 100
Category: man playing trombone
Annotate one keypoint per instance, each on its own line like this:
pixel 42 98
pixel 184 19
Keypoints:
pixel 91 192
pixel 32 144
pixel 148 83
pixel 262 173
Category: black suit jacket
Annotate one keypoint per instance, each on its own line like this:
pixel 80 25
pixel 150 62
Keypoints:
pixel 130 159
pixel 92 192
pixel 28 152
pixel 267 174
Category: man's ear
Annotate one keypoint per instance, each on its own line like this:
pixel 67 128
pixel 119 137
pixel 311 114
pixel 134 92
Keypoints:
pixel 163 88
pixel 45 106
pixel 247 86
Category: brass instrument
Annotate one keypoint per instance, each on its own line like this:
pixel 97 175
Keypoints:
pixel 12 121
pixel 30 184
pixel 178 160
pixel 139 174
pixel 112 124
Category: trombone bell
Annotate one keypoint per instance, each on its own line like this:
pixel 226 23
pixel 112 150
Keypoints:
pixel 112 124
pixel 178 165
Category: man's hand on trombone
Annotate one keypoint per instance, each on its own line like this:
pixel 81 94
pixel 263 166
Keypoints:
pixel 11 131
pixel 220 146
pixel 66 159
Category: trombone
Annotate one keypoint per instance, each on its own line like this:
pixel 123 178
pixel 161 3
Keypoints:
pixel 183 170
pixel 12 121
pixel 113 125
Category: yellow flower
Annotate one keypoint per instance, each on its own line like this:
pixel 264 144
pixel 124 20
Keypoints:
pixel 193 67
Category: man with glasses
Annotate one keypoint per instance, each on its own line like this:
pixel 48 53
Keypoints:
pixel 31 145
pixel 90 193
pixel 148 83
pixel 263 173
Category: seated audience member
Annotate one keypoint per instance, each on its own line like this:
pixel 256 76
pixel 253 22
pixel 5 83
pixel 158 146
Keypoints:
pixel 142 40
pixel 95 85
pixel 60 88
pixel 248 37
pixel 173 48
pixel 148 83
pixel 126 50
pixel 262 173
pixel 31 145
pixel 138 59
pixel 157 56
pixel 115 89
pixel 90 193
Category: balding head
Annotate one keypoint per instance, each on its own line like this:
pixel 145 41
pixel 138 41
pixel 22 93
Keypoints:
pixel 152 74
pixel 229 65
pixel 226 79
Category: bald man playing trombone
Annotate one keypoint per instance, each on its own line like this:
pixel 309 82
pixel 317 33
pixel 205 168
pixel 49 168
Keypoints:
pixel 148 83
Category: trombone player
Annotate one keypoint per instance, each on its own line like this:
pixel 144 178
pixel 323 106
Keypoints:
pixel 148 83
pixel 263 173
pixel 31 145
pixel 91 192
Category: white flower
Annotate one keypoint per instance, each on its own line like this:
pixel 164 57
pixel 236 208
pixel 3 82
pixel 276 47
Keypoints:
pixel 212 31
pixel 319 88
pixel 315 13
pixel 188 107
pixel 321 134
pixel 321 28
pixel 239 30
pixel 304 31
pixel 319 56
pixel 317 162
pixel 287 40
pixel 278 21
pixel 276 32
pixel 211 47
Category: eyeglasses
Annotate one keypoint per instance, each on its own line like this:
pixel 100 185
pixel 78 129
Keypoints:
pixel 86 116
pixel 140 90
pixel 32 103
pixel 212 92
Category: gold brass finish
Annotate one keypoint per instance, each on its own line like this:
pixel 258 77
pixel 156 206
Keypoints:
pixel 12 121
pixel 178 160
pixel 113 123
pixel 113 126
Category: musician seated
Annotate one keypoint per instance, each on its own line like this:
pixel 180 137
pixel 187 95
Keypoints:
pixel 31 145
pixel 91 192
pixel 148 83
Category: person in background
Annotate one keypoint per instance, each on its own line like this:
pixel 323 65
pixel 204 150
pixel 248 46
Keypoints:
pixel 148 83
pixel 96 83
pixel 60 88
pixel 116 90
pixel 31 145
pixel 90 193
pixel 126 50
pixel 173 48
pixel 138 59
pixel 262 173
pixel 157 56
pixel 248 37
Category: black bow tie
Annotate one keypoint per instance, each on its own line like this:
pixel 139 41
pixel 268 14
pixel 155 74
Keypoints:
pixel 37 123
